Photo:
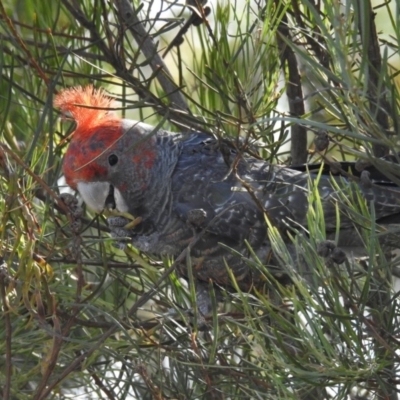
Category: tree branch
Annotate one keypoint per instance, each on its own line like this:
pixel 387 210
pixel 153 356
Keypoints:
pixel 135 26
pixel 294 91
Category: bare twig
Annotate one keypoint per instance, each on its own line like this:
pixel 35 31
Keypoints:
pixel 130 18
pixel 26 50
pixel 38 179
pixel 139 303
pixel 294 91
pixel 8 332
pixel 369 39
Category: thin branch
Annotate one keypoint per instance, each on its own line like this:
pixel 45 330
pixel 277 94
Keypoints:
pixel 294 91
pixel 314 38
pixel 369 39
pixel 8 331
pixel 26 50
pixel 130 17
pixel 139 303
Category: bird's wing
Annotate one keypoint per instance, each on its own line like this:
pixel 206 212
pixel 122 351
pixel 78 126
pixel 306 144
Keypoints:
pixel 208 195
pixel 233 200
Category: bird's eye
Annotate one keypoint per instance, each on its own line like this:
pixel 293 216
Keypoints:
pixel 112 159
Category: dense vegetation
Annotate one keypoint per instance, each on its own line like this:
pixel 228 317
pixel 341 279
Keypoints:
pixel 82 319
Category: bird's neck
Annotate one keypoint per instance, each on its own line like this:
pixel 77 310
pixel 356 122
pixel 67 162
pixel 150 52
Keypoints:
pixel 158 196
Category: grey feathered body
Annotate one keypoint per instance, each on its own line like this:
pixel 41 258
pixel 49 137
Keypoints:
pixel 209 191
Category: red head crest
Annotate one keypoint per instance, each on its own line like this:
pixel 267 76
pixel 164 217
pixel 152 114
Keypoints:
pixel 88 106
pixel 97 129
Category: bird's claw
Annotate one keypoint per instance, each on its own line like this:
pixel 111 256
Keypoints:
pixel 328 250
pixel 133 223
pixel 130 221
pixel 119 232
pixel 120 245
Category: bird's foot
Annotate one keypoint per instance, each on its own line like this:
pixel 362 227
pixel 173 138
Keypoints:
pixel 328 250
pixel 119 232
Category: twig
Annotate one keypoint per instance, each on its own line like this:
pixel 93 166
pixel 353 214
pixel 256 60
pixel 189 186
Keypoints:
pixel 113 51
pixel 32 61
pixel 8 330
pixel 369 39
pixel 139 303
pixel 146 44
pixel 103 387
pixel 38 179
pixel 316 40
pixel 294 91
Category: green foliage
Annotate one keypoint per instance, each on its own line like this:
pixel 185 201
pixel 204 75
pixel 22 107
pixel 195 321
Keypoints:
pixel 80 317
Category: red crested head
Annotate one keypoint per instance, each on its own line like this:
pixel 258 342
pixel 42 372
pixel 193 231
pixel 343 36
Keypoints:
pixel 104 148
pixel 88 106
pixel 98 128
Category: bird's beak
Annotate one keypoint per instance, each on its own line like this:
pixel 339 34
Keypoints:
pixel 109 203
pixel 101 195
pixel 94 194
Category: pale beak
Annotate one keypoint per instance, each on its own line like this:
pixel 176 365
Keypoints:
pixel 101 195
pixel 94 194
